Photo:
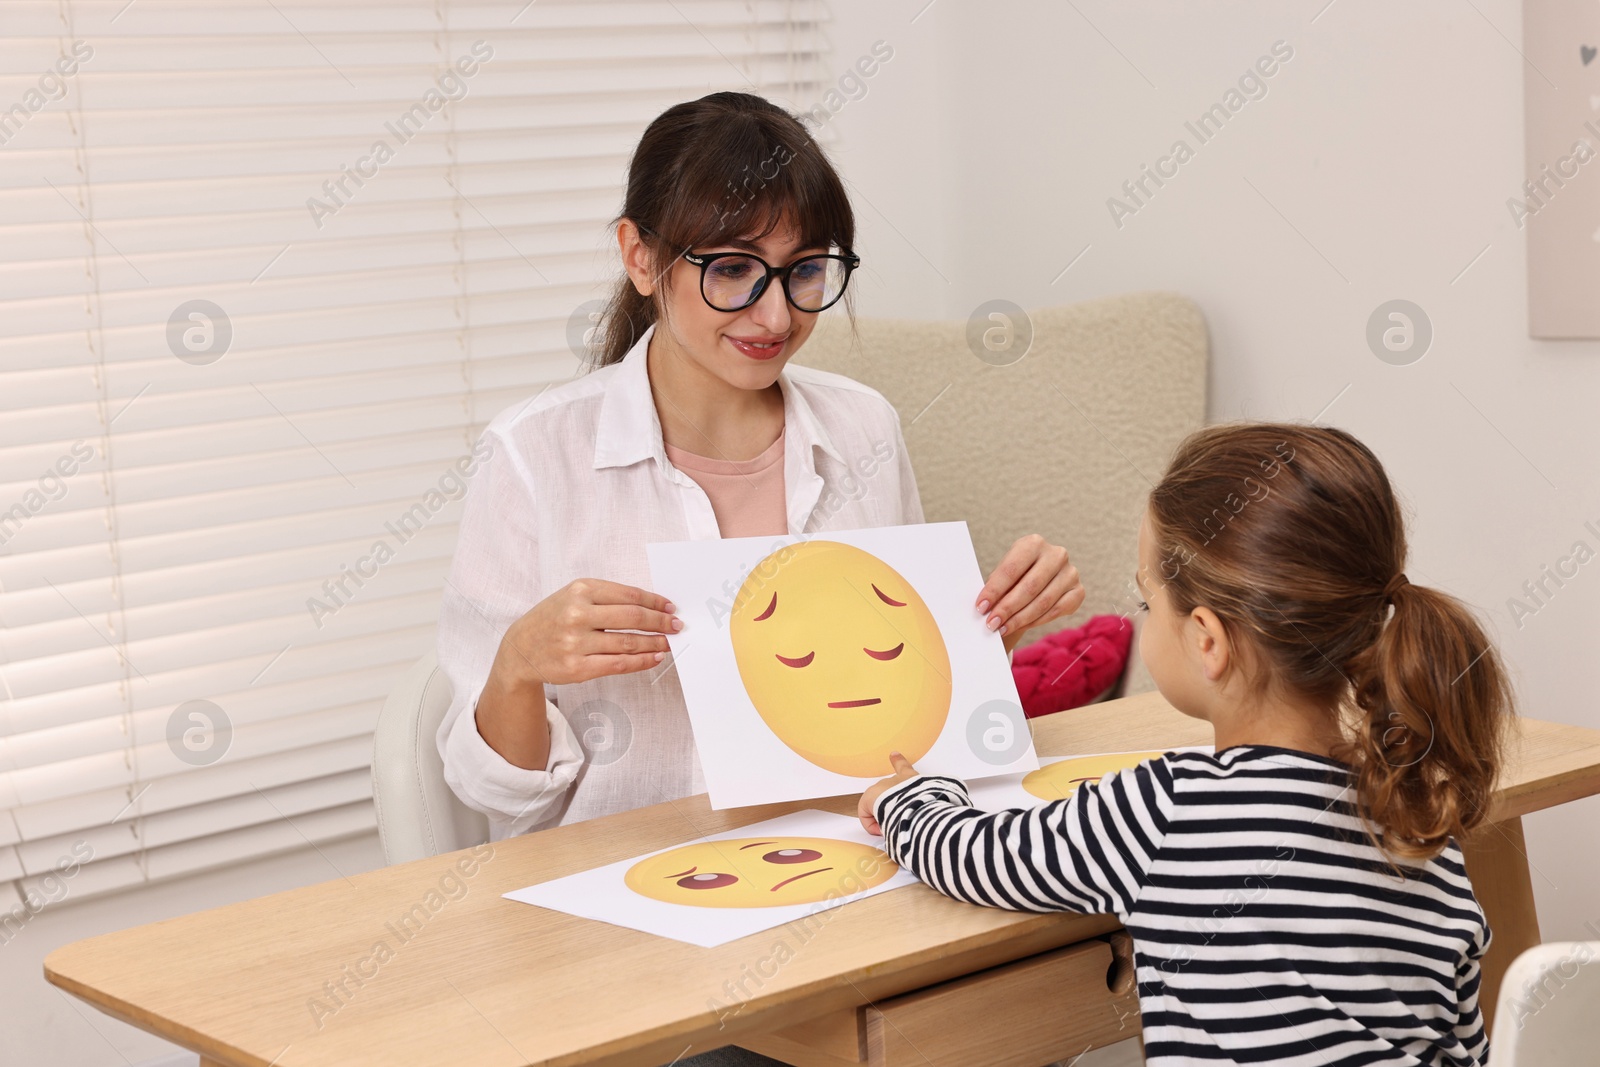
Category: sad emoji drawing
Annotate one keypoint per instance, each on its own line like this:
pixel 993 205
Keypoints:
pixel 841 657
pixel 1059 780
pixel 760 872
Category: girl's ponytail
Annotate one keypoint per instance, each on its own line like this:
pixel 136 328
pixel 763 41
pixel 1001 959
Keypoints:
pixel 1432 702
pixel 1293 536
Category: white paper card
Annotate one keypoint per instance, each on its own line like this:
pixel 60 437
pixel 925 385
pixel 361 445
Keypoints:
pixel 729 885
pixel 1058 777
pixel 805 660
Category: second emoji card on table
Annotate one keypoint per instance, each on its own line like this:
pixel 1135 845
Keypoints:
pixel 805 660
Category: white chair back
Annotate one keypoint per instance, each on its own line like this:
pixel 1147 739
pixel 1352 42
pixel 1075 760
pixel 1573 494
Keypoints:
pixel 418 814
pixel 1549 1009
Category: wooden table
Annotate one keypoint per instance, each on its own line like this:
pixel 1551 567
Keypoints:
pixel 331 975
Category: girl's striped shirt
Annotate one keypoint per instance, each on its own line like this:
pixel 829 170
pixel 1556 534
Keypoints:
pixel 1267 927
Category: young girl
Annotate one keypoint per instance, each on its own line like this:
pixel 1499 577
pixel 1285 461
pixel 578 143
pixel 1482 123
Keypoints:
pixel 1299 897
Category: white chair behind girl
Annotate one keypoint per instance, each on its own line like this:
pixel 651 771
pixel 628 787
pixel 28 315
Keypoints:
pixel 1549 1009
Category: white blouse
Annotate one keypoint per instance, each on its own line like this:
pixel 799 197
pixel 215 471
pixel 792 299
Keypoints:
pixel 575 483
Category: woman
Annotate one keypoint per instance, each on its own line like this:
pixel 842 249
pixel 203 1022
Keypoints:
pixel 735 233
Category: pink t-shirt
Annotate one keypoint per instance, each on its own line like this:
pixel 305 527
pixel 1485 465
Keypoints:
pixel 746 494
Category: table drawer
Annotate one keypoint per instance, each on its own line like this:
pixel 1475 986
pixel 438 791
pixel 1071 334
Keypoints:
pixel 1053 1006
pixel 1045 1008
pixel 1049 1007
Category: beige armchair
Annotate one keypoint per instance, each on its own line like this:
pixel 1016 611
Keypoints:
pixel 1065 441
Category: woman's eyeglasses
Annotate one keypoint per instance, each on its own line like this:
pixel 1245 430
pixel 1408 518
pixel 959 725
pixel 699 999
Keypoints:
pixel 732 281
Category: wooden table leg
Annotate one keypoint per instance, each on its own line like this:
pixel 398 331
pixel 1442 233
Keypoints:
pixel 1497 863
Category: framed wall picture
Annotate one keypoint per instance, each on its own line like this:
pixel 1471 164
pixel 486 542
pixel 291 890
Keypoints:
pixel 1558 205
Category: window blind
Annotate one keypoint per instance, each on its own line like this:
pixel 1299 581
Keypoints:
pixel 268 269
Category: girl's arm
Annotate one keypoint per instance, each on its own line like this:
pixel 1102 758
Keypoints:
pixel 1088 853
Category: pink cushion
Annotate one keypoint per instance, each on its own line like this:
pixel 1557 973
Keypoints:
pixel 1070 668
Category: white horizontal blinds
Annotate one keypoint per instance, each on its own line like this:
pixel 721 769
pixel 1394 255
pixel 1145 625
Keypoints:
pixel 262 528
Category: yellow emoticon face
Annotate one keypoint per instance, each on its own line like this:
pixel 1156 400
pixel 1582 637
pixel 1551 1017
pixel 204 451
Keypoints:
pixel 841 657
pixel 1057 781
pixel 760 872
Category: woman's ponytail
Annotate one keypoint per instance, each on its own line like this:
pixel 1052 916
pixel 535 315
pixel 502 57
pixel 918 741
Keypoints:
pixel 1432 705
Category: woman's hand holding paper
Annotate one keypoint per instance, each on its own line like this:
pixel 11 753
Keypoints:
pixel 1034 584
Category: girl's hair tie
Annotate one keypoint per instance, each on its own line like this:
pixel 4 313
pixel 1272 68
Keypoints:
pixel 1394 586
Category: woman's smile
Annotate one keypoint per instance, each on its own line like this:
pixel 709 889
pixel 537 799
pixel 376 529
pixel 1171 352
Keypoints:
pixel 757 347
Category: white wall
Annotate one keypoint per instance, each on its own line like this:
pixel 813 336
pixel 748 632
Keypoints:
pixel 1377 167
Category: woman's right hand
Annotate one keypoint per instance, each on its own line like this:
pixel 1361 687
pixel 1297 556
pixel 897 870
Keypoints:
pixel 566 637
pixel 569 635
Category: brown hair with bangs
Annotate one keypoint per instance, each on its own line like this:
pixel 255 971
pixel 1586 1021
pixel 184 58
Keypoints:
pixel 727 166
pixel 1293 536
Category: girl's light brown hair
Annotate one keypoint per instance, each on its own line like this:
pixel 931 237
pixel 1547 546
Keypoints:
pixel 725 166
pixel 1292 535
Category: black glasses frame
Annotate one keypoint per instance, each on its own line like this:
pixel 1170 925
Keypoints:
pixel 850 260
